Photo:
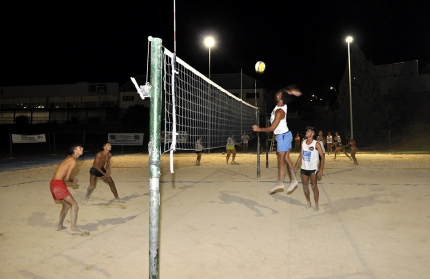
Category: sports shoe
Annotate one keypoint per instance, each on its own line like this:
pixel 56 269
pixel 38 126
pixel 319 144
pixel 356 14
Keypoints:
pixel 277 187
pixel 293 186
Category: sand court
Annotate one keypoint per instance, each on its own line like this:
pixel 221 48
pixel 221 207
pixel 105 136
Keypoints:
pixel 217 220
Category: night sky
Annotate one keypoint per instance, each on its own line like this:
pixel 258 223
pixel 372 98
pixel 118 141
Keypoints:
pixel 301 42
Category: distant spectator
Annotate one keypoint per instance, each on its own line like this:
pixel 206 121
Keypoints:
pixel 329 143
pixel 245 139
pixel 297 143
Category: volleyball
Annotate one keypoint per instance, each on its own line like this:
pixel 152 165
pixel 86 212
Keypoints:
pixel 260 67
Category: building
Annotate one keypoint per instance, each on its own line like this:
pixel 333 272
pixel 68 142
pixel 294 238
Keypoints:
pixel 403 76
pixel 81 102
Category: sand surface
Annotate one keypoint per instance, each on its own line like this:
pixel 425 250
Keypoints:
pixel 218 221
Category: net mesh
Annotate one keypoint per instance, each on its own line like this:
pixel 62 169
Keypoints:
pixel 197 107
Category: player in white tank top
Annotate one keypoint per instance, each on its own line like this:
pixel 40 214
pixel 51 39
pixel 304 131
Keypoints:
pixel 279 127
pixel 309 157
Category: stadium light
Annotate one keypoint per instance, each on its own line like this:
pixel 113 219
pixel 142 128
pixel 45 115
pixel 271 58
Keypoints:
pixel 349 40
pixel 209 43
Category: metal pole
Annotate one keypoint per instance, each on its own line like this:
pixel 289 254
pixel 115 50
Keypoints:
pixel 241 103
pixel 209 63
pixel 10 139
pixel 258 135
pixel 350 91
pixel 154 148
pixel 210 105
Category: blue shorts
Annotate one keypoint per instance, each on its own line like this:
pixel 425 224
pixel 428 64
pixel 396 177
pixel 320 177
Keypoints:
pixel 284 142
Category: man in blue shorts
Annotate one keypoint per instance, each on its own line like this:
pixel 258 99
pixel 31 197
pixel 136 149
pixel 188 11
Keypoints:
pixel 284 137
pixel 310 154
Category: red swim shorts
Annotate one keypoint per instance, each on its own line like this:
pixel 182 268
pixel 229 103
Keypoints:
pixel 59 189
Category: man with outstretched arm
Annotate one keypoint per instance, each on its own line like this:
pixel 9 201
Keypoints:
pixel 284 137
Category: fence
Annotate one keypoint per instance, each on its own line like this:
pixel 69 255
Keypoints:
pixel 58 143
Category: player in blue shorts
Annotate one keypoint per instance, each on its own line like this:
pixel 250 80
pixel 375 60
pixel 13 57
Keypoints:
pixel 283 135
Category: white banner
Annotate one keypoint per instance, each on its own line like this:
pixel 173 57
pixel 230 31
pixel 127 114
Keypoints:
pixel 28 138
pixel 125 138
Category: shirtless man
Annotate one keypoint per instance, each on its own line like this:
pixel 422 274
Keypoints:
pixel 60 192
pixel 101 168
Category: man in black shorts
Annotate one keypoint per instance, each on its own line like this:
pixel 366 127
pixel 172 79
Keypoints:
pixel 101 168
pixel 310 154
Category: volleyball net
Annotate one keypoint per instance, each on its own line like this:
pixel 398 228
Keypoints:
pixel 195 107
pixel 185 105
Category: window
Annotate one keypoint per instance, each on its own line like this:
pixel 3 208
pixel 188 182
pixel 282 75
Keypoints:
pixel 128 98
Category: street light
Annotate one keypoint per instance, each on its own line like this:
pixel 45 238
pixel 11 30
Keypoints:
pixel 209 43
pixel 349 40
pixel 332 88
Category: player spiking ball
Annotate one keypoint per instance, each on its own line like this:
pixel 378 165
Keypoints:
pixel 260 67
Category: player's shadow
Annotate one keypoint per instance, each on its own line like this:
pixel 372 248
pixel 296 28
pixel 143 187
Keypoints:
pixel 355 203
pixel 226 198
pixel 39 219
pixel 106 222
pixel 112 201
pixel 277 196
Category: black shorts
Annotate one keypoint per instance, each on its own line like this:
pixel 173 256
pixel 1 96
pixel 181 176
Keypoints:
pixel 308 172
pixel 95 172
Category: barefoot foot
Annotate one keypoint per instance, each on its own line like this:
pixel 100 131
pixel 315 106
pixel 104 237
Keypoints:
pixel 81 233
pixel 293 186
pixel 60 228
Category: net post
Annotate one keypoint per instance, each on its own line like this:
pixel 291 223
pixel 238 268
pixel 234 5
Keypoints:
pixel 154 149
pixel 258 143
pixel 10 150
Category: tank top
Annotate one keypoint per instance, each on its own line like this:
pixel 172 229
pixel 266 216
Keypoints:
pixel 199 146
pixel 329 139
pixel 310 156
pixel 230 142
pixel 282 126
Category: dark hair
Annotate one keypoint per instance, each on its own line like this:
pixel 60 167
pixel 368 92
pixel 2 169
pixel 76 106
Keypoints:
pixel 105 142
pixel 287 98
pixel 73 147
pixel 310 128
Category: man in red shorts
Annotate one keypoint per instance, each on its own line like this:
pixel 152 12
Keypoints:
pixel 60 192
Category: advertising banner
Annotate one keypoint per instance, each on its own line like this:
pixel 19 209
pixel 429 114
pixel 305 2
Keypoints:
pixel 28 138
pixel 125 138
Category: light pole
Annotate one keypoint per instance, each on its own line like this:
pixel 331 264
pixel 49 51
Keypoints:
pixel 332 88
pixel 349 40
pixel 209 43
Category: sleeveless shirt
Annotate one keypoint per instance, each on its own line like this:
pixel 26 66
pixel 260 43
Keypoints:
pixel 282 126
pixel 310 156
